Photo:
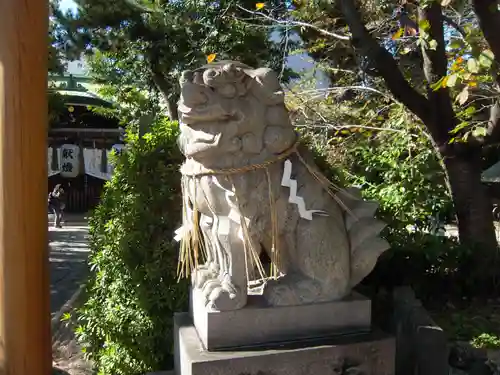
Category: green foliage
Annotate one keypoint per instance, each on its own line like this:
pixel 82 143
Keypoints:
pixel 399 168
pixel 474 321
pixel 56 106
pixel 147 45
pixel 55 63
pixel 486 341
pixel 126 322
pixel 435 267
pixel 378 146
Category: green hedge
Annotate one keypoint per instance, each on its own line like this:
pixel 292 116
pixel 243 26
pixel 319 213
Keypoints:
pixel 126 322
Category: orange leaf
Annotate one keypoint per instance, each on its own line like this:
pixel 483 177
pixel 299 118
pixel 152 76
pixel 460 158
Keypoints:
pixel 259 6
pixel 459 60
pixel 398 34
pixel 211 57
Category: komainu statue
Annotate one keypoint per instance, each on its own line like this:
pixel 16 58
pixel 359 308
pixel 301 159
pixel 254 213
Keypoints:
pixel 249 187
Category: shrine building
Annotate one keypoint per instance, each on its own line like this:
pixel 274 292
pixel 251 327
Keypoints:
pixel 80 140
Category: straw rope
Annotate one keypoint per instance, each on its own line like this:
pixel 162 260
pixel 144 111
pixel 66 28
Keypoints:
pixel 246 168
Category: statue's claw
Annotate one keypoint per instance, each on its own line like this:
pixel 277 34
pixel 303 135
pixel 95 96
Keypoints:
pixel 221 294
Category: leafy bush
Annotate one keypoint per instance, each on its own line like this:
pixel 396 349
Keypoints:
pixel 436 267
pixel 126 322
pixel 394 164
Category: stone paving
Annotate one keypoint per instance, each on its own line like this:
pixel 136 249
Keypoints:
pixel 68 271
pixel 68 260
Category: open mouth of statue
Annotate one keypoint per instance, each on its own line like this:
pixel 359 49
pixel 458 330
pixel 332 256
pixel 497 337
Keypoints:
pixel 201 141
pixel 203 127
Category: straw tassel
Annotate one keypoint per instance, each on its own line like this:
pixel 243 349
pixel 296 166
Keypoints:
pixel 192 239
pixel 275 267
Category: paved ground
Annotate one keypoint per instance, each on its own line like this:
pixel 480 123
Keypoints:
pixel 68 270
pixel 68 260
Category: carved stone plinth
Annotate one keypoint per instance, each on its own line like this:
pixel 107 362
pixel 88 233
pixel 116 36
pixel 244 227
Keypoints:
pixel 258 323
pixel 361 354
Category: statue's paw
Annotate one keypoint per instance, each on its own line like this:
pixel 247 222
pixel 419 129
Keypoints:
pixel 208 287
pixel 202 275
pixel 213 267
pixel 280 294
pixel 221 294
pixel 287 292
pixel 222 299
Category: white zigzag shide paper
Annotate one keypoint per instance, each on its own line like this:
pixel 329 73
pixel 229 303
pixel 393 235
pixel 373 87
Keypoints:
pixel 289 182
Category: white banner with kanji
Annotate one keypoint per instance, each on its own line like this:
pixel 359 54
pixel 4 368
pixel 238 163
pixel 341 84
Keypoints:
pixel 67 161
pixel 70 160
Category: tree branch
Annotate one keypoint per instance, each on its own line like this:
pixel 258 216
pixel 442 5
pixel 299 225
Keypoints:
pixel 385 63
pixel 488 16
pixel 296 23
pixel 493 129
pixel 455 25
pixel 166 89
pixel 435 67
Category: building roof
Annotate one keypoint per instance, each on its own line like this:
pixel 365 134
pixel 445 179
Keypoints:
pixel 83 98
pixel 492 174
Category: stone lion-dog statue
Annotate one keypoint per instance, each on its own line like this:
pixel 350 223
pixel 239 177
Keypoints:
pixel 249 187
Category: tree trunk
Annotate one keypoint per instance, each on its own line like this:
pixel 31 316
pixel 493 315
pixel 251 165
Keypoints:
pixel 474 209
pixel 169 93
pixel 173 113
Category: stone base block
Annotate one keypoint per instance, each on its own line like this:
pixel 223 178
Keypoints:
pixel 362 354
pixel 258 323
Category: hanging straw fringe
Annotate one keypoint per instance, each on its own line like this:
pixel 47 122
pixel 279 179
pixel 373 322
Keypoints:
pixel 274 229
pixel 250 251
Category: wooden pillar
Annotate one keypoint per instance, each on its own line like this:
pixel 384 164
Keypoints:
pixel 25 339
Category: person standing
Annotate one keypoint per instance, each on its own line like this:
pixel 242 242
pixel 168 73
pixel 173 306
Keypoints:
pixel 57 204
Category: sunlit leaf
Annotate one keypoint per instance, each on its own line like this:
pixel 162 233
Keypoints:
pixel 472 83
pixel 211 57
pixel 459 127
pixel 424 25
pixel 470 110
pixel 463 96
pixel 452 80
pixel 259 6
pixel 406 50
pixel 445 3
pixel 444 81
pixel 473 65
pixel 486 58
pixel 456 44
pixel 433 44
pixel 398 34
pixel 479 131
pixel 437 85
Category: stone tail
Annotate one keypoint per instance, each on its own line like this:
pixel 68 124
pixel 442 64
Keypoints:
pixel 363 231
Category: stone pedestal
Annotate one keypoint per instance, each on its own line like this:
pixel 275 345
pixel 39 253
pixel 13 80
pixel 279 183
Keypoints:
pixel 333 338
pixel 257 324
pixel 356 354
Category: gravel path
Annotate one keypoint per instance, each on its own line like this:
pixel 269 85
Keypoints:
pixel 68 270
